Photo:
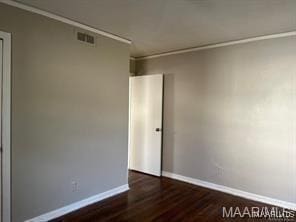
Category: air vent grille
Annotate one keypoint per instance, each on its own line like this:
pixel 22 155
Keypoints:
pixel 90 39
pixel 83 37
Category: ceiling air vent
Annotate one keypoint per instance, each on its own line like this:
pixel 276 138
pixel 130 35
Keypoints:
pixel 83 37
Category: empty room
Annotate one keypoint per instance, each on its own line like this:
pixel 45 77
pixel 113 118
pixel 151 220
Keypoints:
pixel 147 110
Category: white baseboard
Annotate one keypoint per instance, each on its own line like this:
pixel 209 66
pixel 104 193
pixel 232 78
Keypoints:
pixel 77 205
pixel 232 191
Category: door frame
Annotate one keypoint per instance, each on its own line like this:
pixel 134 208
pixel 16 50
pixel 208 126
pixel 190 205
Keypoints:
pixel 6 127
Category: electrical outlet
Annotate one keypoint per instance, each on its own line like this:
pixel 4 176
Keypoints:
pixel 74 185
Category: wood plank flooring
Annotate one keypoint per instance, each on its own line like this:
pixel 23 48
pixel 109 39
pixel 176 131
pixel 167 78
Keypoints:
pixel 162 199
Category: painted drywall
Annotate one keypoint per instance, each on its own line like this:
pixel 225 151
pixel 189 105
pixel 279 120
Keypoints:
pixel 69 113
pixel 132 67
pixel 230 115
pixel 157 26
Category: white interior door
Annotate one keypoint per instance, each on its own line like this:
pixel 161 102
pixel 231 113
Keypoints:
pixel 145 133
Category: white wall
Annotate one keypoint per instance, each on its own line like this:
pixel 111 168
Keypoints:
pixel 69 113
pixel 230 115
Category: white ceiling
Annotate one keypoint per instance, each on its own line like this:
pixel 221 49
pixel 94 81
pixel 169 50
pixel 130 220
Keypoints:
pixel 156 26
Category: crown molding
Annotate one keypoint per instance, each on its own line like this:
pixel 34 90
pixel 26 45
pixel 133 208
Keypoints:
pixel 121 39
pixel 64 20
pixel 218 45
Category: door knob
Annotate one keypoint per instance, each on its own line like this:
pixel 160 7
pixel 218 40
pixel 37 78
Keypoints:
pixel 157 129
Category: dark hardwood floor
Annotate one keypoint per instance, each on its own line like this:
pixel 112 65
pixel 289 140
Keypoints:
pixel 162 199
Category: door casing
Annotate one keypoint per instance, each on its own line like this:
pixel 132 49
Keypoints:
pixel 6 127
